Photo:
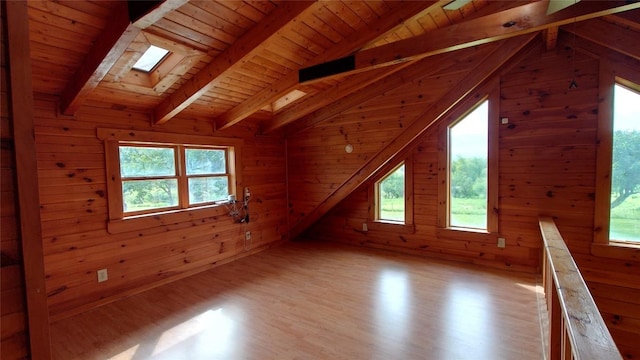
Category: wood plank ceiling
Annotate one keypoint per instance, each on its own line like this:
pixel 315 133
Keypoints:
pixel 230 60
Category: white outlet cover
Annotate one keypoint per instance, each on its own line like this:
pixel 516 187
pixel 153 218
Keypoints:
pixel 247 235
pixel 103 275
pixel 502 243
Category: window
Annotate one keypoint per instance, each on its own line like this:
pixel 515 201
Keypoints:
pixel 154 177
pixel 468 165
pixel 468 176
pixel 150 59
pixel 159 66
pixel 617 203
pixel 165 175
pixel 624 217
pixel 390 196
pixel 391 200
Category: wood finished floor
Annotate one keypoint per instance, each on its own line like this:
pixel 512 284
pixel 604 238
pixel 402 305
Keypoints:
pixel 317 301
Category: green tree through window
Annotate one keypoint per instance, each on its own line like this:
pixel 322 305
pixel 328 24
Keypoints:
pixel 148 178
pixel 390 196
pixel 468 152
pixel 154 177
pixel 624 219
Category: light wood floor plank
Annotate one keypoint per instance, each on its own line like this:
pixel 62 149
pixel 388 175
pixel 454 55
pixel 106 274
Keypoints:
pixel 318 301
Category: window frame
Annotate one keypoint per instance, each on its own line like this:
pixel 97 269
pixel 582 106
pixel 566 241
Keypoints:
pixel 378 200
pixel 374 222
pixel 465 107
pixel 611 73
pixel 181 176
pixel 119 221
pixel 175 176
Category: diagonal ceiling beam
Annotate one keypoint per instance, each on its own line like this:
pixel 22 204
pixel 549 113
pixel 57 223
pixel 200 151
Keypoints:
pixel 406 139
pixel 418 69
pixel 245 48
pixel 109 46
pixel 608 35
pixel 318 101
pixel 498 26
pixel 401 12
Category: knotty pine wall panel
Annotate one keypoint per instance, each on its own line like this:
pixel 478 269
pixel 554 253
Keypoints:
pixel 317 157
pixel 547 157
pixel 73 197
pixel 13 317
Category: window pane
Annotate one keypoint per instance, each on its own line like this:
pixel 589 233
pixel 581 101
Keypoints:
pixel 625 179
pixel 138 161
pixel 468 170
pixel 205 161
pixel 150 59
pixel 391 193
pixel 208 189
pixel 139 195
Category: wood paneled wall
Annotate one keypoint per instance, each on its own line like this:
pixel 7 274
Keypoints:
pixel 14 340
pixel 71 168
pixel 547 156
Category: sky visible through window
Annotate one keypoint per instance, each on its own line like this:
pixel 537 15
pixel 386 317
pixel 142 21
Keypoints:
pixel 150 59
pixel 471 134
pixel 626 109
pixel 625 200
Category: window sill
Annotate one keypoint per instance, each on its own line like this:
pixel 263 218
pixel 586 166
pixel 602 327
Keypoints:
pixel 466 234
pixel 617 250
pixel 148 221
pixel 390 226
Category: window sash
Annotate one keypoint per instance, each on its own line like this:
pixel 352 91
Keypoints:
pixel 618 229
pixel 185 199
pixel 450 180
pixel 492 94
pixel 379 195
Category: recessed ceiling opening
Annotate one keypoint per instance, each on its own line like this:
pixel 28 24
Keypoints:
pixel 150 59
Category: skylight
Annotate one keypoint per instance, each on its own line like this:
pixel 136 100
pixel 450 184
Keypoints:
pixel 150 59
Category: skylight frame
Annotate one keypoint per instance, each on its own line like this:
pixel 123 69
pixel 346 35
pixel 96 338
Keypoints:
pixel 151 59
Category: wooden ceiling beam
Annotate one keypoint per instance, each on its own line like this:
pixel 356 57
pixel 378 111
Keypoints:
pixel 498 26
pixel 630 19
pixel 109 47
pixel 318 101
pixel 400 13
pixel 21 119
pixel 393 80
pixel 550 36
pixel 407 138
pixel 245 48
pixel 608 35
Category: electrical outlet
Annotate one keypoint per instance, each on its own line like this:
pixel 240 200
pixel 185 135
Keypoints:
pixel 502 243
pixel 247 235
pixel 365 227
pixel 103 275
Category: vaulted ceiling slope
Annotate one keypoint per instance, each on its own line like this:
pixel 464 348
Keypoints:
pixel 230 60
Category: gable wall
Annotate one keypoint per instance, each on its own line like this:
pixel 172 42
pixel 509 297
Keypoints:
pixel 547 156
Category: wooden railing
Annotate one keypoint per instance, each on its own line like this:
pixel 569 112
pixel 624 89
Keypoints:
pixel 576 328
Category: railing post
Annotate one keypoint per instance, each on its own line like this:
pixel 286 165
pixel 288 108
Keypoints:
pixel 553 307
pixel 576 328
